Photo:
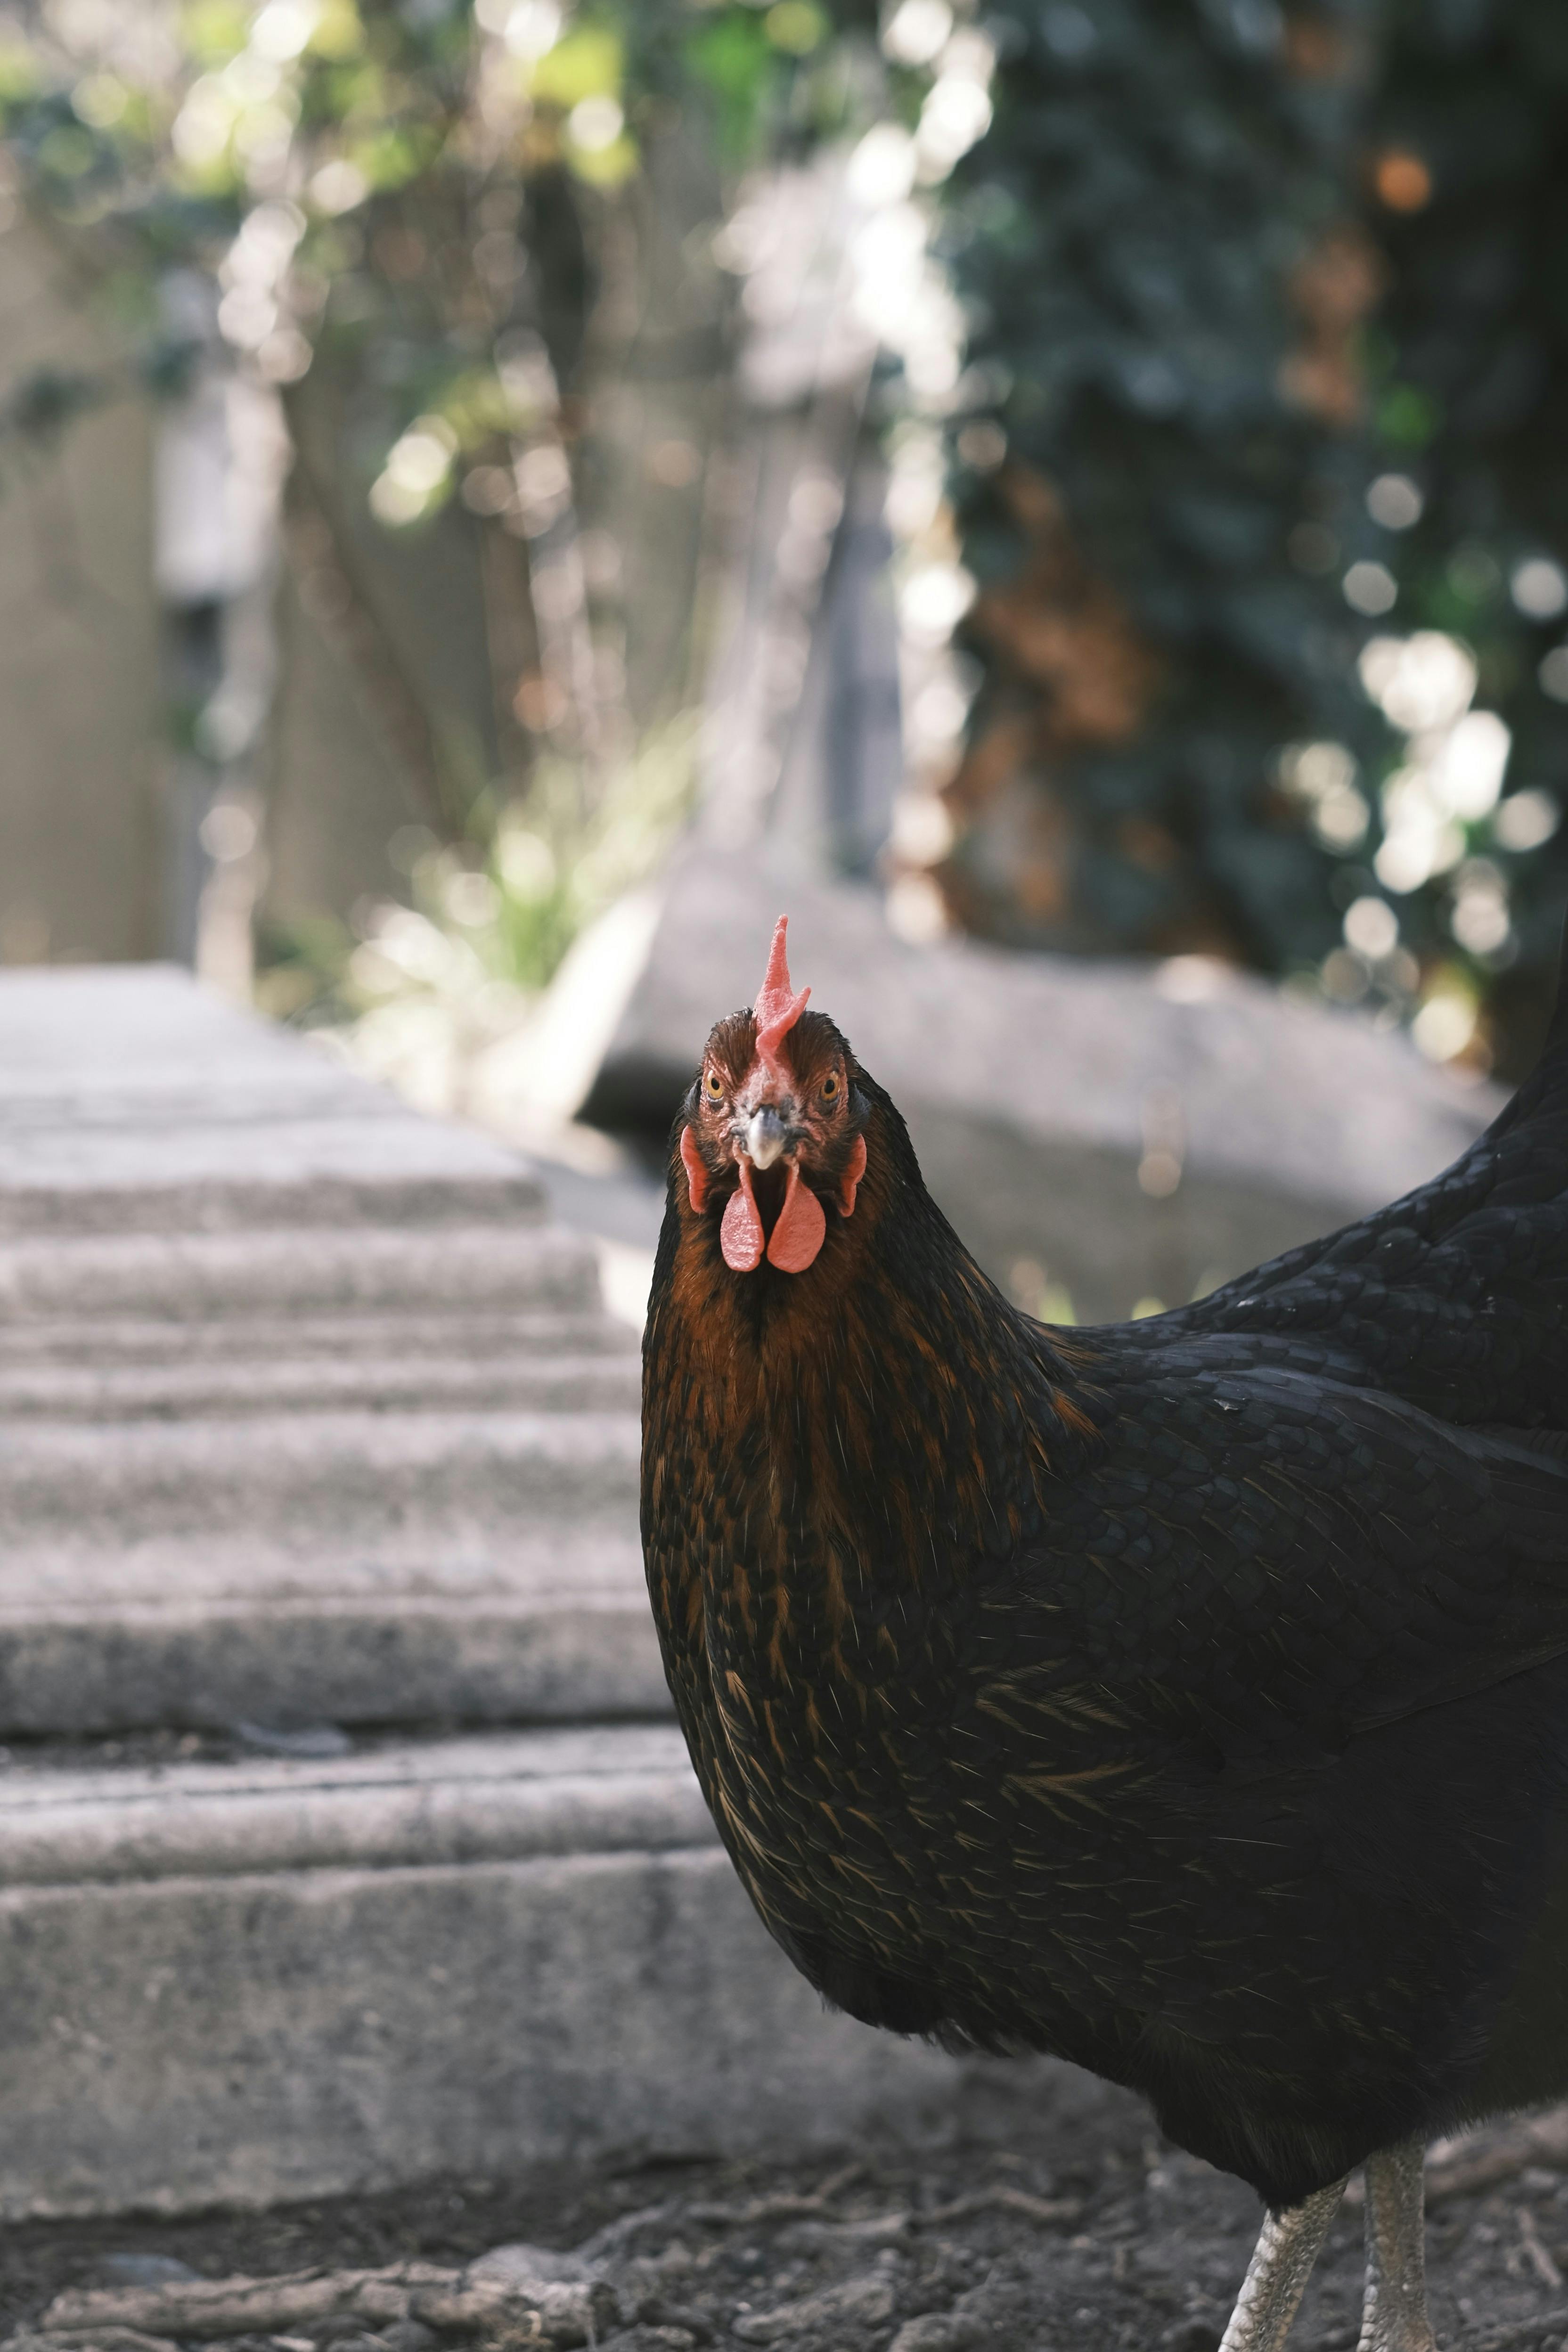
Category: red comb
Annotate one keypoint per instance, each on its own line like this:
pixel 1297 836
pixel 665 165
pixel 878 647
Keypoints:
pixel 777 1008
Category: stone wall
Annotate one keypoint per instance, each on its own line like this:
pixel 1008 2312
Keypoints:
pixel 1114 1131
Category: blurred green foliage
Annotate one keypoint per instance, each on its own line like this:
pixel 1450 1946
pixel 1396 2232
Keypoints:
pixel 1275 305
pixel 1467 370
pixel 1125 238
pixel 1267 314
pixel 396 214
pixel 386 140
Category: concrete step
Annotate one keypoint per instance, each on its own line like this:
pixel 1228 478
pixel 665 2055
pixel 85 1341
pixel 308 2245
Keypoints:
pixel 133 1101
pixel 303 1269
pixel 356 1568
pixel 544 1632
pixel 237 1983
pixel 604 1381
pixel 208 1196
pixel 496 1797
pixel 93 1341
pixel 326 1485
pixel 307 1417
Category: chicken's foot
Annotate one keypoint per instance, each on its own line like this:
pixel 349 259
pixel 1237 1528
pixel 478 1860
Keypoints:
pixel 1288 2246
pixel 1393 2316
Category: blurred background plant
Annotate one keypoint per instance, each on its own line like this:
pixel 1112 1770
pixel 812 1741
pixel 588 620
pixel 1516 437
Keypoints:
pixel 429 297
pixel 1262 498
pixel 1210 354
pixel 437 982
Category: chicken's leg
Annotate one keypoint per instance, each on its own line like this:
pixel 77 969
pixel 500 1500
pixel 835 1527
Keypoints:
pixel 1393 2317
pixel 1288 2246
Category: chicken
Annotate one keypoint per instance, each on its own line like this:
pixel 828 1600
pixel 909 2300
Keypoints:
pixel 1187 1697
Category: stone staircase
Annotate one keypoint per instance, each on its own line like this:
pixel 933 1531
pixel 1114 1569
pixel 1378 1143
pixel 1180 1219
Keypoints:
pixel 345 1837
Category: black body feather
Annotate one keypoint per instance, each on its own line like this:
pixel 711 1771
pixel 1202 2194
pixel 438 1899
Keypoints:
pixel 1187 1697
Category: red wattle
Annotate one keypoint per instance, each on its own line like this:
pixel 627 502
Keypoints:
pixel 800 1230
pixel 740 1235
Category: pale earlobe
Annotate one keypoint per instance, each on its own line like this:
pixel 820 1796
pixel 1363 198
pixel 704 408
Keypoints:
pixel 696 1174
pixel 849 1182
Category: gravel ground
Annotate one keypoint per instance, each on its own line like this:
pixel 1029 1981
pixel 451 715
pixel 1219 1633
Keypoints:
pixel 1083 2231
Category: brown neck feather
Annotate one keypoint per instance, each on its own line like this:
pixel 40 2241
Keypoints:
pixel 869 1426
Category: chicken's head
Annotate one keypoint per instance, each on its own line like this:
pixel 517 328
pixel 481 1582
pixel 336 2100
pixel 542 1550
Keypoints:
pixel 773 1136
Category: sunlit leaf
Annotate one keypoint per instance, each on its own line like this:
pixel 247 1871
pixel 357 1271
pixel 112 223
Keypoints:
pixel 585 63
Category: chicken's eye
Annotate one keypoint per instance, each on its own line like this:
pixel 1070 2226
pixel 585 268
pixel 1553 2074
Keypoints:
pixel 714 1086
pixel 830 1087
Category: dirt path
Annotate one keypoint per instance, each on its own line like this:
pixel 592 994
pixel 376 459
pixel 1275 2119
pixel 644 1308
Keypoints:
pixel 1080 2232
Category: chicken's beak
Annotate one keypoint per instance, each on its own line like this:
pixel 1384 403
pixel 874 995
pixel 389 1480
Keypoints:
pixel 764 1136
